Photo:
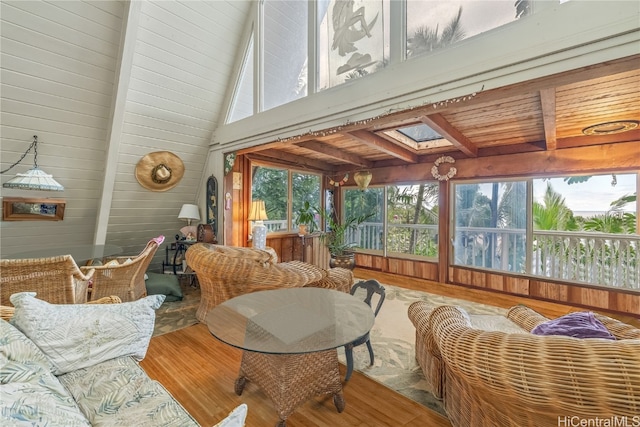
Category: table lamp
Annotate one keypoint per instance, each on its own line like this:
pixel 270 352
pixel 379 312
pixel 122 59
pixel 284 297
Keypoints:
pixel 258 214
pixel 189 213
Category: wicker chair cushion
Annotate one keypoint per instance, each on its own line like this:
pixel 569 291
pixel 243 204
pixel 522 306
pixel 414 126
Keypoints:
pixel 74 336
pixel 581 324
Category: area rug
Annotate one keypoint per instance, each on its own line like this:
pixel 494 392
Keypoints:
pixel 392 338
pixel 175 315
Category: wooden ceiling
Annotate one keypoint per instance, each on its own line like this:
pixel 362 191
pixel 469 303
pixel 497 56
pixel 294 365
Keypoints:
pixel 544 114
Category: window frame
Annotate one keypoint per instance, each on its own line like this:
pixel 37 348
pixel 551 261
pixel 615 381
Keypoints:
pixel 290 229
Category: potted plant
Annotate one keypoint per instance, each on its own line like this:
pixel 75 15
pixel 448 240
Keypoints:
pixel 306 218
pixel 337 240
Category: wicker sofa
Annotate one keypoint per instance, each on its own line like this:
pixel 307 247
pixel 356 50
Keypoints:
pixel 228 271
pixel 495 378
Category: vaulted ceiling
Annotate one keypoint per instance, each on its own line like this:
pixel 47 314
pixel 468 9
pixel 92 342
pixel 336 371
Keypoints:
pixel 545 114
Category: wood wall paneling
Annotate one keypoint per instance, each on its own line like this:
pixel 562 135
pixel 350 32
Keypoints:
pixel 574 294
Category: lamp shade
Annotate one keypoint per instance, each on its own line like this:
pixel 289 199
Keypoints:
pixel 258 211
pixel 362 178
pixel 189 212
pixel 34 179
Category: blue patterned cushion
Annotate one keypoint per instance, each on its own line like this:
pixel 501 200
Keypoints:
pixel 75 336
pixel 31 394
pixel 119 393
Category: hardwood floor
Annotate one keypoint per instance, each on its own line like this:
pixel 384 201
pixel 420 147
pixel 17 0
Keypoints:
pixel 200 372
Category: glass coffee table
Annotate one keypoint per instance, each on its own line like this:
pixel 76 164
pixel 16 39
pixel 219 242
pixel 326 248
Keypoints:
pixel 289 339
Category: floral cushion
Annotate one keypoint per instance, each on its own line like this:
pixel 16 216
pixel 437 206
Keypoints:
pixel 75 336
pixel 236 418
pixel 31 394
pixel 119 393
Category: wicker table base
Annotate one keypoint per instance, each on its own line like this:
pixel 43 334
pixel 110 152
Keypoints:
pixel 291 379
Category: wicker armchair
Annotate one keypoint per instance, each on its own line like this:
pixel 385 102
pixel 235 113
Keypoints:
pixel 225 272
pixel 496 378
pixel 57 280
pixel 125 277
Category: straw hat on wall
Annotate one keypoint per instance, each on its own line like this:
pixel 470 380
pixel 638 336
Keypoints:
pixel 159 171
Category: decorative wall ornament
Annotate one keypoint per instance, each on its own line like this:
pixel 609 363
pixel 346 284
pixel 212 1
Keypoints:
pixel 362 178
pixel 343 181
pixel 229 160
pixel 435 170
pixel 159 171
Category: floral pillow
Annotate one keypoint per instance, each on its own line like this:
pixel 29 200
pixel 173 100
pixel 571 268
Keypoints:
pixel 75 336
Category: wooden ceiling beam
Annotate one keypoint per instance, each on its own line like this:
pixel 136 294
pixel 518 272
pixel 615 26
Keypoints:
pixel 438 123
pixel 548 105
pixel 335 153
pixel 280 157
pixel 374 141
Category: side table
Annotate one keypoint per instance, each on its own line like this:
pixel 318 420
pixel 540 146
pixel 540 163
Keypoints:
pixel 174 260
pixel 289 339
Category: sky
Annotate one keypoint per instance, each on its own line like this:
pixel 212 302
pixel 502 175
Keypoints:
pixel 596 194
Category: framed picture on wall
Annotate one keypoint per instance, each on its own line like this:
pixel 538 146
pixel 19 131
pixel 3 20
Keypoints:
pixel 30 209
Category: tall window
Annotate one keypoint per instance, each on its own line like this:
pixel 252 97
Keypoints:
pixel 403 222
pixel 242 103
pixel 576 228
pixel 433 25
pixel 285 33
pixel 370 202
pixel 284 192
pixel 352 37
pixel 412 218
pixel 490 225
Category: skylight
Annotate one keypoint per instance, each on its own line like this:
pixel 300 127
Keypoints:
pixel 420 133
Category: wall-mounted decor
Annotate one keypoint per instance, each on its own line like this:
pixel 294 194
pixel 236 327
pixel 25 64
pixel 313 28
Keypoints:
pixel 28 209
pixel 229 160
pixel 212 204
pixel 159 171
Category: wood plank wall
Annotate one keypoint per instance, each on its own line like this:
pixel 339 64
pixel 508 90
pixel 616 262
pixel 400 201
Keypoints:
pixel 570 293
pixel 292 247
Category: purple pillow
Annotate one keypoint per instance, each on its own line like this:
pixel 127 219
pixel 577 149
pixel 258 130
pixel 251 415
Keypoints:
pixel 581 324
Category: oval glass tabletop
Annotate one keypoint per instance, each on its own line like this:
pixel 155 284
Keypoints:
pixel 290 321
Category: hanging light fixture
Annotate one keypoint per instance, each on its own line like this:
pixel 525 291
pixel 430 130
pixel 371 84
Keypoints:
pixel 35 178
pixel 362 178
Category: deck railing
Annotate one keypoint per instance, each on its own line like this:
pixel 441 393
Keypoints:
pixel 610 260
pixel 598 258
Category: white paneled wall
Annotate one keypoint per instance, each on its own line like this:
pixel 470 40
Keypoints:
pixel 184 55
pixel 62 65
pixel 58 67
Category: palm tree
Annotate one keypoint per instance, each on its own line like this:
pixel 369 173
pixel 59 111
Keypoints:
pixel 552 213
pixel 426 39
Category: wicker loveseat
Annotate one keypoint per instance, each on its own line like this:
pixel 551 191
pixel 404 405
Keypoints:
pixel 225 272
pixel 493 378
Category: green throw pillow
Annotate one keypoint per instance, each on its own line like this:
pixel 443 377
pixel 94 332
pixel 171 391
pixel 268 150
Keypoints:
pixel 164 284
